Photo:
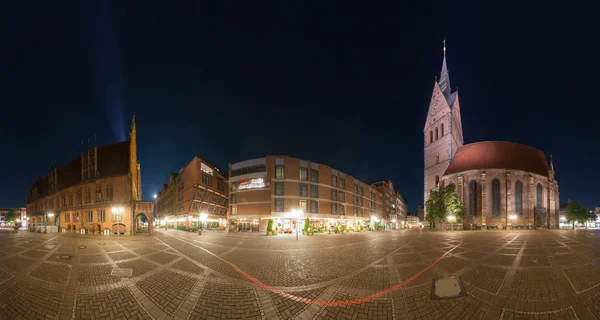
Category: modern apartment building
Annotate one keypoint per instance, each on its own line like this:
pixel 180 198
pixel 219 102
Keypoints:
pixel 197 188
pixel 274 187
pixel 394 205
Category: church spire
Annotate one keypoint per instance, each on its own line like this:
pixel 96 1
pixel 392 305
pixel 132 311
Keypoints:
pixel 444 77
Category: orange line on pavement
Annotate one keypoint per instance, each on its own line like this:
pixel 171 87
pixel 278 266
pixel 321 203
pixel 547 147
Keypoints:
pixel 335 303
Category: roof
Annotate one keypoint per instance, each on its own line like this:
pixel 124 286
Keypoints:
pixel 113 160
pixel 498 155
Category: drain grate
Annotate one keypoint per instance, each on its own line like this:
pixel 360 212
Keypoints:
pixel 122 272
pixel 447 288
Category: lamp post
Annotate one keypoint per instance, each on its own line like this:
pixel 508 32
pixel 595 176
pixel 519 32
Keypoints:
pixel 451 219
pixel 202 218
pixel 513 219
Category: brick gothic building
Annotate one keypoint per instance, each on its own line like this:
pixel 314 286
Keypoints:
pixel 495 179
pixel 83 193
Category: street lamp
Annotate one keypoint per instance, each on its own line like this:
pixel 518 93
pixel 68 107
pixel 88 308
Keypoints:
pixel 202 217
pixel 451 218
pixel 513 219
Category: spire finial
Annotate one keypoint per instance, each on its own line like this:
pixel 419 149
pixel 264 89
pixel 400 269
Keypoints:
pixel 444 47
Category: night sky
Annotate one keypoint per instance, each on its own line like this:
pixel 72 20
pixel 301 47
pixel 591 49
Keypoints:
pixel 346 85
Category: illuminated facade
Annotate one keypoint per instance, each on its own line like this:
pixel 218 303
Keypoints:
pixel 95 192
pixel 197 188
pixel 274 186
pixel 501 183
pixel 394 205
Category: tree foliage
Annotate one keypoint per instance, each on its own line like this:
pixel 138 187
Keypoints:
pixel 10 216
pixel 442 202
pixel 578 213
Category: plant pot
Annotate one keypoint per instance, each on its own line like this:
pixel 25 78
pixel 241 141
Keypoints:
pixel 269 233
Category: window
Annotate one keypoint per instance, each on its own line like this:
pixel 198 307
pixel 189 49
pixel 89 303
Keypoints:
pixel 437 180
pixel 278 205
pixel 216 199
pixel 355 188
pixel 334 181
pixel 342 183
pixel 360 211
pixel 430 136
pixel 278 188
pixel 362 191
pixel 70 199
pixel 342 196
pixel 314 206
pixel 314 175
pixel 64 200
pixel 98 193
pixel 442 127
pixel 101 216
pixel 539 203
pixel 180 197
pixel 473 198
pixel 333 195
pixel 180 207
pixel 180 177
pixel 180 186
pixel 303 190
pixel 519 197
pixel 88 216
pixel 436 133
pixel 437 159
pixel 67 217
pixel 334 208
pixel 279 172
pixel 355 211
pixel 222 211
pixel 342 210
pixel 196 206
pixel 220 186
pixel 495 198
pixel 233 210
pixel 109 191
pixel 76 217
pixel 314 191
pixel 206 179
pixel 355 200
pixel 88 195
pixel 303 174
pixel 251 169
pixel 234 186
pixel 302 205
pixel 211 208
pixel 232 198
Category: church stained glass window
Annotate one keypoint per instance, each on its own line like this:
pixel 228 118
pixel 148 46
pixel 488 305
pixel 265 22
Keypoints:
pixel 473 198
pixel 495 198
pixel 539 196
pixel 519 197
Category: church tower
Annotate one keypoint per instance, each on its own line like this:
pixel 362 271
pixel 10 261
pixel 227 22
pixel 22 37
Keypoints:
pixel 134 165
pixel 443 131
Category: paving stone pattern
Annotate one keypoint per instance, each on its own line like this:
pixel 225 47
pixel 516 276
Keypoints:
pixel 542 274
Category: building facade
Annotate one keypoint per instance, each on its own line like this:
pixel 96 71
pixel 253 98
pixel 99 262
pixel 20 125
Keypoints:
pixel 412 222
pixel 20 214
pixel 495 179
pixel 96 191
pixel 198 188
pixel 274 187
pixel 394 205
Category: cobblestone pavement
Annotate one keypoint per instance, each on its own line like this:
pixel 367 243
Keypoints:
pixel 543 274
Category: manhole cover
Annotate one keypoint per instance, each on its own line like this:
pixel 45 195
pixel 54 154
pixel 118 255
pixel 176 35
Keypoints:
pixel 81 247
pixel 65 256
pixel 49 246
pixel 122 272
pixel 447 288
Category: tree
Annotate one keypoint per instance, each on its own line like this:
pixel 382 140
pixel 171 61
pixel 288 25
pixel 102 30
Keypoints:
pixel 10 216
pixel 578 213
pixel 442 202
pixel 143 218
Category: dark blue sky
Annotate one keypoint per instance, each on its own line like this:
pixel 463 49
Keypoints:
pixel 347 85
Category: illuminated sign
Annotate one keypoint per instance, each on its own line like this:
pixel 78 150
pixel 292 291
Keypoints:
pixel 252 184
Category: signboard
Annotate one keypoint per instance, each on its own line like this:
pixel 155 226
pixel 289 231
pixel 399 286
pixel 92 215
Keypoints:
pixel 252 184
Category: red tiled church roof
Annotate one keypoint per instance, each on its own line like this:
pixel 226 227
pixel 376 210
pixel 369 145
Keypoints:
pixel 498 155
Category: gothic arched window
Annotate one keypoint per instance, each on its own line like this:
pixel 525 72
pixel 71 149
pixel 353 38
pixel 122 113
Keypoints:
pixel 109 191
pixel 519 197
pixel 495 198
pixel 473 198
pixel 539 196
pixel 442 128
pixel 430 136
pixel 436 133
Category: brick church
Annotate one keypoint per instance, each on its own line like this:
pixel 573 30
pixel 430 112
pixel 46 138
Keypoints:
pixel 495 179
